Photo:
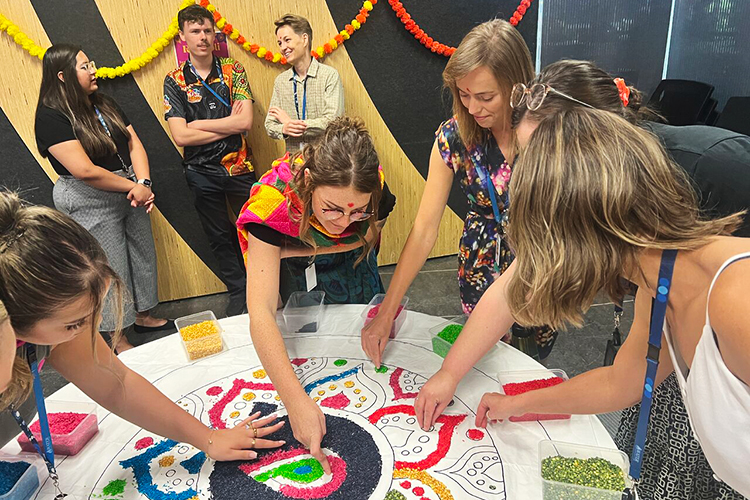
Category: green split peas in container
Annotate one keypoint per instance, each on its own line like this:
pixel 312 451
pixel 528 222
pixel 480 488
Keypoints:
pixel 591 473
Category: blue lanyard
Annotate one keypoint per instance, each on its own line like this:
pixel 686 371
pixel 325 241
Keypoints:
pixel 221 77
pixel 658 312
pixel 486 178
pixel 304 96
pixel 47 453
pixel 106 128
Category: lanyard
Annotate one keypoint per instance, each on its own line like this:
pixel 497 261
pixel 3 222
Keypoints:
pixel 304 97
pixel 221 77
pixel 658 312
pixel 486 179
pixel 106 128
pixel 46 453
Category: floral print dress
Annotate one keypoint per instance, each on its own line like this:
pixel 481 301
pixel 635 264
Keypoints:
pixel 483 253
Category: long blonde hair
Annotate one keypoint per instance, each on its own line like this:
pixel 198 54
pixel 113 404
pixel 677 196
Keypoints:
pixel 499 47
pixel 587 195
pixel 47 261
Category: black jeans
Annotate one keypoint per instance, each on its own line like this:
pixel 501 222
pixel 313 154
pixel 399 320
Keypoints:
pixel 210 195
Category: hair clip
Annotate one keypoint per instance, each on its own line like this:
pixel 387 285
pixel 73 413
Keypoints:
pixel 11 239
pixel 624 91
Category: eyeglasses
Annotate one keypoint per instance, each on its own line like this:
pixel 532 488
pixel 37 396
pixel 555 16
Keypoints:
pixel 534 96
pixel 89 67
pixel 335 214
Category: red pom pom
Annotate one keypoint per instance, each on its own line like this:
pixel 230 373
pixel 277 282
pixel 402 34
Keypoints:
pixel 514 21
pixel 204 3
pixel 339 39
pixel 398 5
pixel 217 16
pixel 282 60
pixel 327 48
pixel 521 10
pixel 254 48
pixel 227 29
pixel 526 3
pixel 241 40
pixel 374 2
pixel 429 41
pixel 349 28
pixel 419 34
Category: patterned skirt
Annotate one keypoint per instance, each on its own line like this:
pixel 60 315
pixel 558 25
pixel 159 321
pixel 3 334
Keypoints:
pixel 674 466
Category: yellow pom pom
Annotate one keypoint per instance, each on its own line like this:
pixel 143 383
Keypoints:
pixel 235 35
pixel 262 52
pixel 333 43
pixel 119 71
pixel 344 34
pixel 367 5
pixel 246 46
pixel 4 25
pixel 276 57
pixel 221 22
pixel 19 38
pixel 210 8
pixel 355 24
pixel 13 30
pixel 320 51
pixel 34 51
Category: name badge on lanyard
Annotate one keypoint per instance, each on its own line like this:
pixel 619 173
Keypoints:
pixel 486 178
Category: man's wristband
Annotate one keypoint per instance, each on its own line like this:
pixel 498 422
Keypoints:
pixel 145 182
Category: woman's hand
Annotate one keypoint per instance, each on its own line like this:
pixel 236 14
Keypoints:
pixel 139 195
pixel 375 336
pixel 237 443
pixel 433 398
pixel 309 427
pixel 496 406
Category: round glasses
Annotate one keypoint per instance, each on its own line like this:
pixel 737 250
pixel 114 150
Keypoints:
pixel 335 214
pixel 534 96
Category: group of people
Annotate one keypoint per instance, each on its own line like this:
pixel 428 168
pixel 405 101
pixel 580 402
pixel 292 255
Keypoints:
pixel 574 188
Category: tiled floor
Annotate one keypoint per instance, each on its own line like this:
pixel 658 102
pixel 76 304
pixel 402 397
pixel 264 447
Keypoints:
pixel 435 292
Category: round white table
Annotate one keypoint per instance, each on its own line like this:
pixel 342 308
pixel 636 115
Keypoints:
pixel 163 362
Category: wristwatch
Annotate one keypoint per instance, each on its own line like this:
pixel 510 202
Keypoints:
pixel 145 182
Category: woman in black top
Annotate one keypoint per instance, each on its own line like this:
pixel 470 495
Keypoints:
pixel 104 176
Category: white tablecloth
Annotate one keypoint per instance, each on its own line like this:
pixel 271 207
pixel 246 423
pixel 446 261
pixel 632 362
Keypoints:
pixel 164 363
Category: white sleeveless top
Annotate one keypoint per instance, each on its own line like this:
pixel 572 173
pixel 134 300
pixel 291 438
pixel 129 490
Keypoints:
pixel 718 404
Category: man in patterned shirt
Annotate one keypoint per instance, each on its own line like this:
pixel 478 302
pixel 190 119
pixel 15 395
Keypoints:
pixel 305 97
pixel 208 106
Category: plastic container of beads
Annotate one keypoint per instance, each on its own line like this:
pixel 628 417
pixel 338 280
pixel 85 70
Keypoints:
pixel 20 476
pixel 446 333
pixel 200 334
pixel 303 312
pixel 372 309
pixel 608 473
pixel 517 382
pixel 72 424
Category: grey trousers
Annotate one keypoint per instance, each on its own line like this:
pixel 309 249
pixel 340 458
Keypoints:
pixel 125 234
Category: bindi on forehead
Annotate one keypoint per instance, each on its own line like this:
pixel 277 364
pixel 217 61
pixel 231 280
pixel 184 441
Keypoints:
pixel 350 205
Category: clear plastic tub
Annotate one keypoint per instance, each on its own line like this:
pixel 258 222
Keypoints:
pixel 520 376
pixel 72 425
pixel 28 482
pixel 554 490
pixel 200 344
pixel 441 346
pixel 371 311
pixel 303 312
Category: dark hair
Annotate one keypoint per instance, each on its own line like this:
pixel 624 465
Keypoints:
pixel 194 14
pixel 299 25
pixel 67 97
pixel 47 261
pixel 585 81
pixel 344 156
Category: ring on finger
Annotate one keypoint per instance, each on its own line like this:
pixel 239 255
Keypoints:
pixel 252 445
pixel 255 433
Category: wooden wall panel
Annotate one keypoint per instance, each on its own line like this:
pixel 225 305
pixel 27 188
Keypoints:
pixel 134 25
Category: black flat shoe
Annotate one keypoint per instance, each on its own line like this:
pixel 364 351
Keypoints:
pixel 169 325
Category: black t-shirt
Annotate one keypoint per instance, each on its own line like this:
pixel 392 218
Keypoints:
pixel 53 127
pixel 717 161
pixel 275 238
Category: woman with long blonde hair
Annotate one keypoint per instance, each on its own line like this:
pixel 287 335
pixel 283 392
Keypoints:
pixel 476 148
pixel 596 199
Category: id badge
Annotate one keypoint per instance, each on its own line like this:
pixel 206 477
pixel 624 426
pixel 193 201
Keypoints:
pixel 311 277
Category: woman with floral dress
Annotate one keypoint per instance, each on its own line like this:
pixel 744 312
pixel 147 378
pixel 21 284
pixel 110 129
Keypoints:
pixel 475 147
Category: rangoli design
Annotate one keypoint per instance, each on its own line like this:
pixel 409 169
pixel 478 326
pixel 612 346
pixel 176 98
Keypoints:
pixel 374 445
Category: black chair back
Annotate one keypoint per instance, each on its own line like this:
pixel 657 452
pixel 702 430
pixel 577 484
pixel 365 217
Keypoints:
pixel 736 115
pixel 681 102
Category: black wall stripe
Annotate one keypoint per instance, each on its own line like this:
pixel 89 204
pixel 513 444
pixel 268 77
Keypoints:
pixel 404 79
pixel 80 22
pixel 20 170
